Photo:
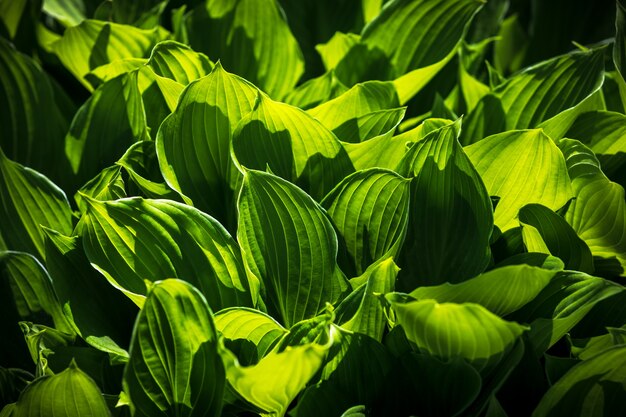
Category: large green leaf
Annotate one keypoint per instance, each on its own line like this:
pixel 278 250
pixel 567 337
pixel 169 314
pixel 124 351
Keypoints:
pixel 595 387
pixel 133 240
pixel 362 311
pixel 293 144
pixel 80 396
pixel 108 123
pixel 501 290
pixel 598 213
pixel 447 195
pixel 107 185
pixel 542 226
pixel 333 51
pixel 250 38
pixel 29 200
pixel 35 114
pixel 564 302
pixel 370 210
pixel 528 99
pixel 93 43
pixel 179 62
pixel 507 160
pixel 405 36
pixel 316 91
pixel 175 368
pixel 97 311
pixel 450 330
pixel 193 143
pixel 31 288
pixel 288 244
pixel 249 333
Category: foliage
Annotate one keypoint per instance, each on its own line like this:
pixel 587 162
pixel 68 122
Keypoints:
pixel 304 208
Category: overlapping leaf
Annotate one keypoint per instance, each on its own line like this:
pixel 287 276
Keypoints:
pixel 133 240
pixel 447 195
pixel 175 367
pixel 179 62
pixel 250 38
pixel 507 160
pixel 370 210
pixel 288 244
pixel 293 144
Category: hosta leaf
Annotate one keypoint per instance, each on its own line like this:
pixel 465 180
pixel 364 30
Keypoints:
pixel 113 69
pixel 507 160
pixel 293 144
pixel 97 311
pixel 179 62
pixel 316 91
pixel 288 244
pixel 29 200
pixel 559 237
pixel 250 38
pixel 370 210
pixel 530 97
pixel 35 114
pixel 619 48
pixel 405 36
pixel 449 330
pixel 366 127
pixel 268 389
pixel 344 380
pixel 501 290
pixel 362 311
pixel 587 348
pixel 159 96
pixel 336 48
pixel 81 396
pixel 447 194
pixel 107 185
pixel 561 305
pixel 175 367
pixel 249 333
pixel 31 288
pixel 193 143
pixel 133 240
pixel 108 123
pixel 595 387
pixel 362 99
pixel 598 213
pixel 141 164
pixel 93 43
pixel 141 13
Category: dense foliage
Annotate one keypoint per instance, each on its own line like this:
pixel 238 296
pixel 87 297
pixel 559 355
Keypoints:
pixel 312 208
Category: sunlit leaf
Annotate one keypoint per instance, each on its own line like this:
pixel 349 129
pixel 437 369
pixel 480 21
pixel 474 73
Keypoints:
pixel 179 62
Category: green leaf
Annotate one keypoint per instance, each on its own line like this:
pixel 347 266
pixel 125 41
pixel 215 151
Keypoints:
pixel 558 236
pixel 449 330
pixel 250 38
pixel 107 185
pixel 11 13
pixel 316 91
pixel 81 396
pixel 68 12
pixel 587 348
pixel 424 33
pixel 333 51
pixel 193 143
pixel 93 43
pixel 175 367
pixel 159 96
pixel 527 99
pixel 619 48
pixel 446 194
pixel 289 245
pixel 370 210
pixel 268 389
pixel 598 213
pixel 362 311
pixel 293 144
pixel 108 123
pixel 140 13
pixel 29 200
pixel 249 333
pixel 106 72
pixel 31 288
pixel 561 305
pixel 501 290
pixel 595 387
pixel 505 162
pixel 133 240
pixel 36 114
pixel 179 62
pixel 97 311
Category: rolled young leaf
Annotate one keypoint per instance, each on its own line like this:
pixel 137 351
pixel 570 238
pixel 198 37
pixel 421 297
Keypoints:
pixel 288 244
pixel 174 366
